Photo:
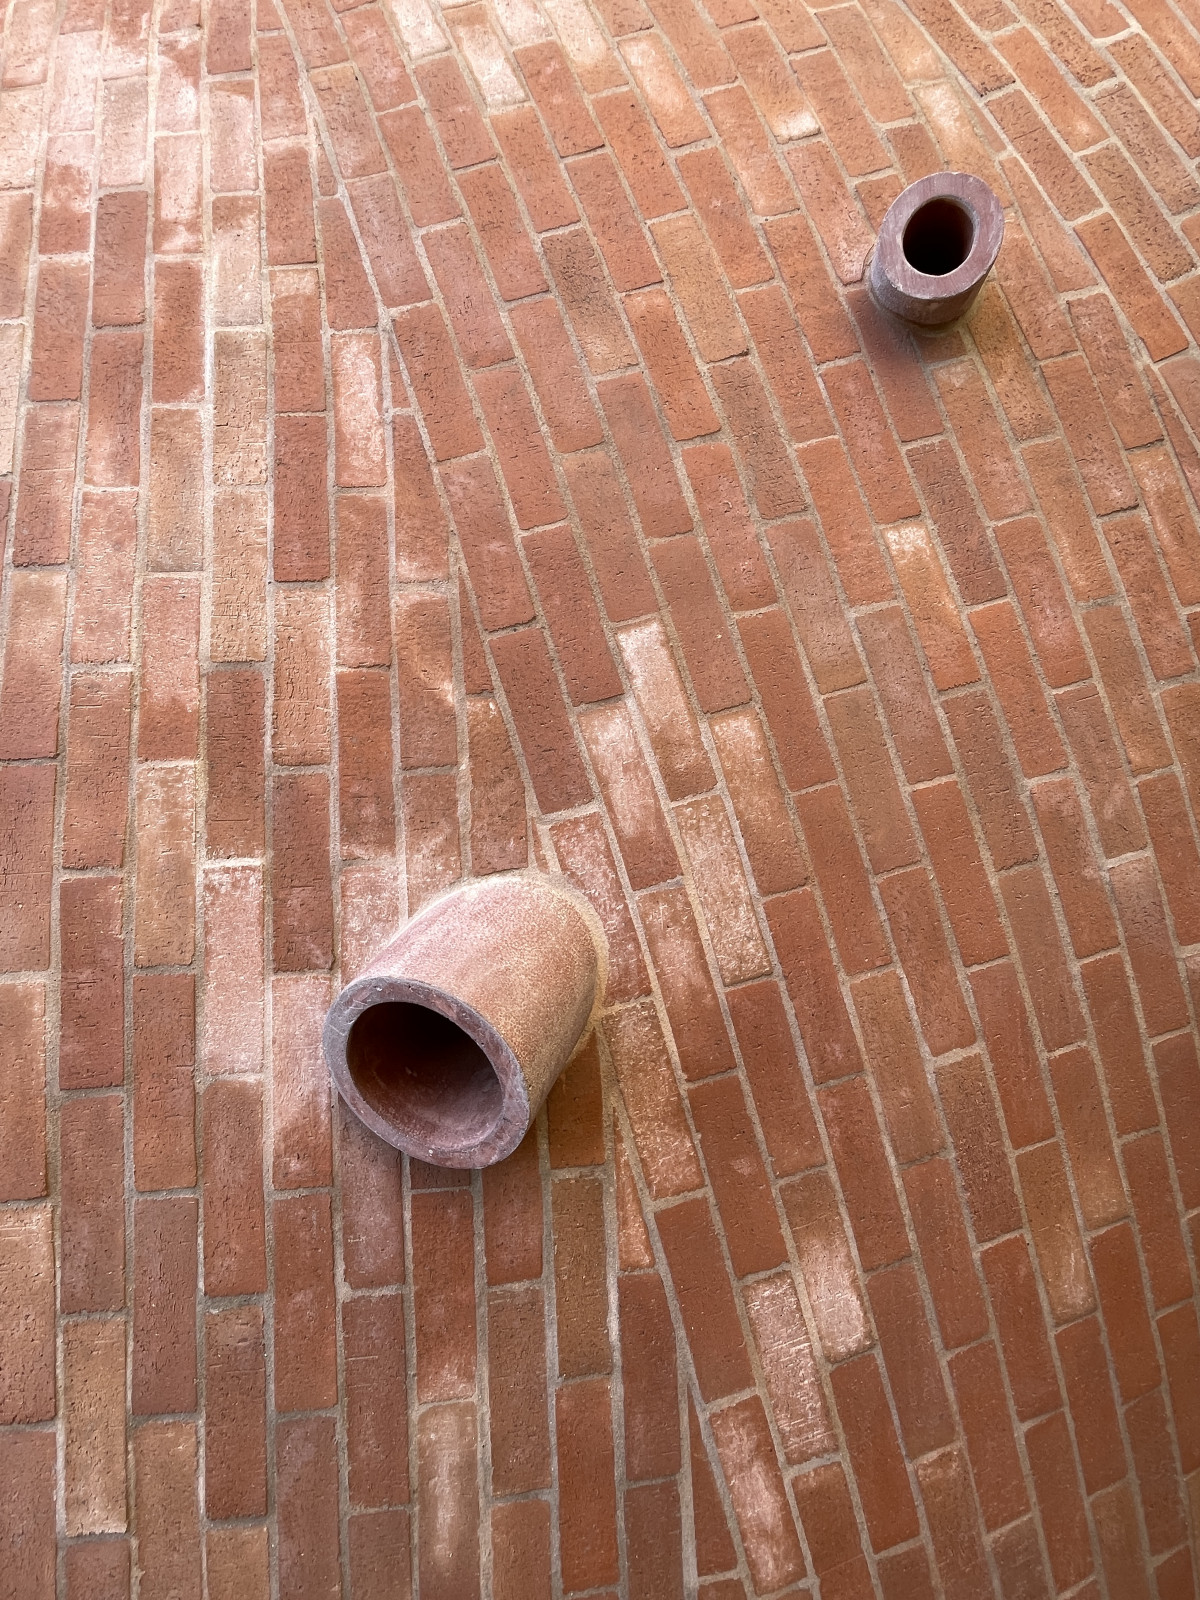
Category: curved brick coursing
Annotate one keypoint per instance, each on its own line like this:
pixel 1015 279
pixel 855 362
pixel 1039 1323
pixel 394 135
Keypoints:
pixel 462 441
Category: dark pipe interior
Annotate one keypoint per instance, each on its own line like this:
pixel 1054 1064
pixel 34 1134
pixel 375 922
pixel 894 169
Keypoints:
pixel 938 237
pixel 423 1074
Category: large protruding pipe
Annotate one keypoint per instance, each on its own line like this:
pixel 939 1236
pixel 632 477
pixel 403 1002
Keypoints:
pixel 447 1045
pixel 936 245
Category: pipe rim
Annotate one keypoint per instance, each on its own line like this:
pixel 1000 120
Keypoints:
pixel 930 298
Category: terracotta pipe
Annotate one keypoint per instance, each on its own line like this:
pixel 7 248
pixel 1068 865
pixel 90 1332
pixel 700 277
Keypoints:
pixel 447 1045
pixel 936 245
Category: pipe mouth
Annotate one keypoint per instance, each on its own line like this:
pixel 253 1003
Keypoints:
pixel 939 237
pixel 935 247
pixel 419 1071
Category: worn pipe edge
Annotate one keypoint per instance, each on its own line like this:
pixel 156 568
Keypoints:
pixel 950 224
pixel 448 1043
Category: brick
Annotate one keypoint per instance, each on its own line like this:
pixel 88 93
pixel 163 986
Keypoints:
pixel 366 805
pixel 768 1054
pixel 169 692
pixel 766 828
pixel 714 1541
pixel 299 360
pixel 722 890
pixel 874 1453
pixel 100 1568
pixel 1152 319
pixel 815 607
pixel 92 1020
pixel 633 141
pixel 978 1144
pixel 1157 1220
pixel 302 904
pixel 925 955
pixel 235 1451
pixel 164 1305
pixel 757 1492
pixel 118 292
pixel 648 1362
pixel 1178 1078
pixel 1173 528
pixel 827 1512
pixel 498 824
pixel 1155 1463
pixel 431 833
pixel 1011 669
pixel 1130 1336
pixel 739 1178
pixel 376 1400
pixel 1067 518
pixel 1167 647
pixel 164 1053
pixel 698 284
pixel 707 1305
pixel 643 450
pixel 583 290
pixel 301 710
pixel 587 1496
pixel 805 958
pixel 459 124
pixel 653 1531
pixel 94 1448
pixel 566 406
pixel 23 1100
pixel 42 526
pixel 444 1296
pixel 27 1470
pixel 524 459
pixel 573 617
pixel 1055 1232
pixel 27 801
pixel 988 1432
pixel 580 1280
pixel 1180 1343
pixel 422 634
pixel 970 901
pixel 646 848
pixel 1095 750
pixel 998 340
pixel 730 532
pixel 556 771
pixel 234 1231
pixel 1002 816
pixel 1089 1391
pixel 60 310
pixel 670 722
pixel 770 475
pixel 164 897
pixel 1141 912
pixel 27 1377
pixel 300 1116
pixel 373 1257
pixel 32 690
pixel 621 572
pixel 234 805
pixel 357 416
pixel 537 174
pixel 487 537
pixel 1080 885
pixel 951 1509
pixel 290 232
pixel 945 1252
pixel 512 1217
pixel 894 1057
pixel 399 276
pixel 1059 1500
pixel 830 1276
pixel 700 625
pixel 304 1343
pixel 17 213
pixel 862 1167
pixel 517 1400
pixel 521 1550
pixel 1089 1145
pixel 307 1506
pixel 176 518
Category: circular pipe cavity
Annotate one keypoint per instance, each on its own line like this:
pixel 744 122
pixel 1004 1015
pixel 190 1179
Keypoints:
pixel 447 1045
pixel 936 245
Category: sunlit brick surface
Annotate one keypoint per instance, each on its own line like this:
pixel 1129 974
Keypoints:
pixel 436 441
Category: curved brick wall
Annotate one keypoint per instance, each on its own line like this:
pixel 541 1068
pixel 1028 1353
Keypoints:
pixel 441 441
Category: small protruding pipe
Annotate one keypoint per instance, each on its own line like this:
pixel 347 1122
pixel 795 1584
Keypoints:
pixel 936 245
pixel 447 1045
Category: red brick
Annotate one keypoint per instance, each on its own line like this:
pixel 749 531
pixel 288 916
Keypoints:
pixel 584 292
pixel 1020 1563
pixel 894 1057
pixel 118 291
pixel 580 1279
pixel 921 944
pixel 282 105
pixel 1154 1460
pixel 42 527
pixel 864 1173
pixel 842 877
pixel 1080 884
pixel 726 519
pixel 768 1054
pixel 235 1399
pixel 1142 915
pixel 1093 1412
pixel 643 450
pixel 653 1532
pixel 1063 1518
pixel 461 128
pixel 766 462
pixel 714 1542
pixel 1162 634
pixel 376 1400
pixel 706 1302
pixel 432 843
pixel 1104 344
pixel 29 707
pixel 550 81
pixel 1179 1080
pixel 739 1178
pixel 302 908
pixel 917 1385
pixel 179 332
pixel 366 805
pixel 722 889
pixel 845 522
pixel 520 1551
pixel 399 276
pixel 813 987
pixel 548 742
pixel 979 1147
pixel 93 1210
pixel 1002 816
pixel 60 311
pixel 512 1216
pixel 27 801
pixel 164 1305
pixel 1011 669
pixel 569 412
pixel 99 1569
pixel 831 1528
pixel 164 899
pixel 874 1452
pixel 953 1522
pixel 300 1134
pixel 766 827
pixel 23 1099
pixel 176 520
pixel 989 1434
pixel 304 1342
pixel 423 645
pixel 498 823
pixel 1174 531
pixel 444 1296
pixel 114 410
pixel 758 1495
pixel 164 1054
pixel 94 1465
pixel 787 700
pixel 291 238
pixel 17 213
pixel 1181 1353
pixel 617 229
pixel 1067 518
pixel 648 1361
pixel 587 1495
pixel 517 1399
pixel 1100 765
pixel 703 632
pixel 1152 319
pixel 952 845
pixel 349 299
pixel 27 1379
pixel 910 714
pixel 169 697
pixel 871 780
pixel 299 359
pixel 935 613
pixel 373 1255
pixel 234 1229
pixel 945 1252
pixel 91 1050
pixel 234 810
pixel 1130 1337
pixel 357 416
pixel 307 1506
pixel 537 173
pixel 633 141
pixel 1157 1219
pixel 300 735
pixel 1166 816
pixel 505 242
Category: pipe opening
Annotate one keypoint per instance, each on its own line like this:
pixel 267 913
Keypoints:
pixel 938 237
pixel 421 1072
